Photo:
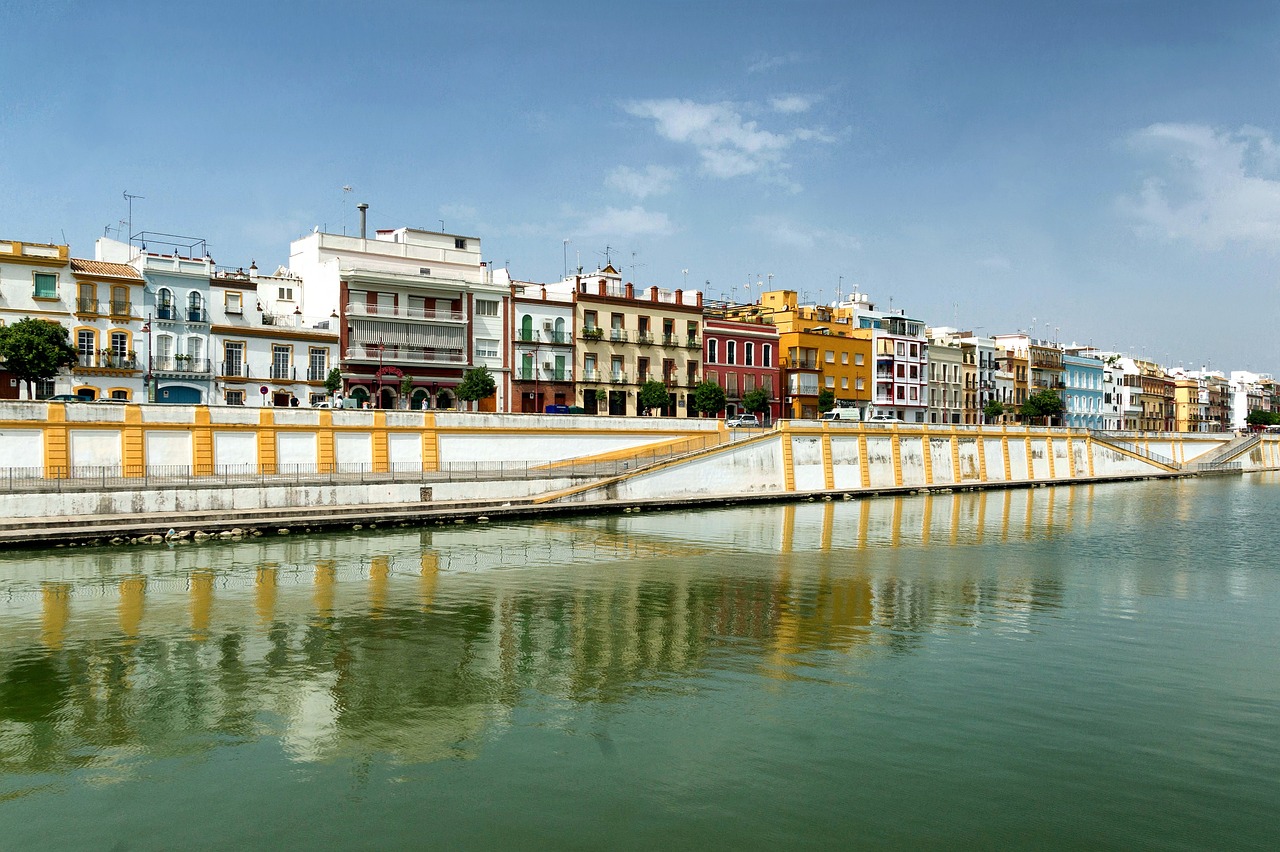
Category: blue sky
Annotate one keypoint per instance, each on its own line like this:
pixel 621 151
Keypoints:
pixel 1109 170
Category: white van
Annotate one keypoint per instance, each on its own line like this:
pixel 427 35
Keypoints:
pixel 843 414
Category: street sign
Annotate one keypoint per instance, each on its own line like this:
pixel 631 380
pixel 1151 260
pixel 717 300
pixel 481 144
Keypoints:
pixel 264 390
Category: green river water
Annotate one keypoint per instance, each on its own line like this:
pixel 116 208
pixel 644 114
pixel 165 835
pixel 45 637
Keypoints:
pixel 1089 667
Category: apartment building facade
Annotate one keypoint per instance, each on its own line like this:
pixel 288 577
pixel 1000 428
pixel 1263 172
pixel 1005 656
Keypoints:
pixel 543 341
pixel 741 356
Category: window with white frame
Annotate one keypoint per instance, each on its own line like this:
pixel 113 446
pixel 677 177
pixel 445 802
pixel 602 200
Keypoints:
pixel 234 302
pixel 486 308
pixel 486 347
pixel 713 350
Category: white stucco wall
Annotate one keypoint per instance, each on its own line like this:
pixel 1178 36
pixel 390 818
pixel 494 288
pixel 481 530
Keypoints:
pixel 806 461
pixel 90 448
pixel 22 448
pixel 235 448
pixel 994 452
pixel 911 452
pixel 846 466
pixel 404 450
pixel 167 448
pixel 353 448
pixel 296 448
pixel 880 460
pixel 940 459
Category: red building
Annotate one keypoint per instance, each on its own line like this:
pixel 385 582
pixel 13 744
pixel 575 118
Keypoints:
pixel 741 356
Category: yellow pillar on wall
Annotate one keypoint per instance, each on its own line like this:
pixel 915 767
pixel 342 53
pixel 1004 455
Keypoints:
pixel 56 453
pixel 324 443
pixel 955 456
pixel 380 453
pixel 430 444
pixel 788 470
pixel 132 448
pixel 982 458
pixel 863 467
pixel 1088 453
pixel 266 441
pixel 828 464
pixel 1004 450
pixel 896 443
pixel 1048 451
pixel 202 443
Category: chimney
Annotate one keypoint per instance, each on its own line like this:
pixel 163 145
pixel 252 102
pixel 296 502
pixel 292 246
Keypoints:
pixel 253 270
pixel 631 291
pixel 363 208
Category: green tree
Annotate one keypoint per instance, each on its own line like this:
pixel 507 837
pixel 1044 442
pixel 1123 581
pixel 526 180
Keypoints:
pixel 653 394
pixel 476 384
pixel 333 381
pixel 35 349
pixel 826 400
pixel 708 398
pixel 756 401
pixel 1041 405
pixel 1258 417
pixel 993 409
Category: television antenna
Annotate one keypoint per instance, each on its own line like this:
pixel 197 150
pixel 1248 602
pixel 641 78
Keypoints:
pixel 346 190
pixel 129 198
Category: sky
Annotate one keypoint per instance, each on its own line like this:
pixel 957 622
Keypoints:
pixel 1103 173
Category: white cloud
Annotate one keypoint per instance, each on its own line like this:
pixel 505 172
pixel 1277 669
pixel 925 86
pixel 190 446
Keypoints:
pixel 654 180
pixel 632 222
pixel 797 237
pixel 727 144
pixel 764 62
pixel 1210 187
pixel 792 103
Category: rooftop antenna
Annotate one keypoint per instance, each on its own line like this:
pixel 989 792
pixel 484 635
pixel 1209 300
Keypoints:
pixel 346 188
pixel 634 265
pixel 129 198
pixel 608 255
pixel 685 273
pixel 839 288
pixel 442 226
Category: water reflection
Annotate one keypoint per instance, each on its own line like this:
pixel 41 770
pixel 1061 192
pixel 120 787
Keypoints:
pixel 420 645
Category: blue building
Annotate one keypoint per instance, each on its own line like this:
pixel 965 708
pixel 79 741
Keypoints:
pixel 1083 401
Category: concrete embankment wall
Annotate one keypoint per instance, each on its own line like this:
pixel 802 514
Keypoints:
pixel 809 456
pixel 48 438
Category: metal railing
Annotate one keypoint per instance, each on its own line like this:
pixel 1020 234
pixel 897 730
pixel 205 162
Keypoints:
pixel 282 373
pixel 239 370
pixel 317 374
pixel 180 364
pixel 405 313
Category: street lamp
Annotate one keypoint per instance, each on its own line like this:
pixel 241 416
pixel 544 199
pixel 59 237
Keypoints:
pixel 148 380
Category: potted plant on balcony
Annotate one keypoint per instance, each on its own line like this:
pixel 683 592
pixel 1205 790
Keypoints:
pixel 593 333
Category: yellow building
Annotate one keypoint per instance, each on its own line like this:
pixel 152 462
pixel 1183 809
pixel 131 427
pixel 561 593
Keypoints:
pixel 818 350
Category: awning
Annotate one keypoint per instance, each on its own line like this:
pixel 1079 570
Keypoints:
pixel 425 335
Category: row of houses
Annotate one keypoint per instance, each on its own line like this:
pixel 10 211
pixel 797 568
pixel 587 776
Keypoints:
pixel 404 313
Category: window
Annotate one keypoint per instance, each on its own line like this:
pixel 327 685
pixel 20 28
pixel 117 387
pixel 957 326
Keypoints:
pixel 844 357
pixel 46 286
pixel 44 388
pixel 859 383
pixel 751 354
pixel 235 397
pixel 914 395
pixel 731 351
pixel 315 399
pixel 902 350
pixel 486 347
pixel 713 355
pixel 280 357
pixel 831 381
pixel 120 393
pixel 284 294
pixel 86 342
pixel 915 350
pixel 120 301
pixel 234 302
pixel 486 308
pixel 857 359
pixel 119 344
pixel 233 359
pixel 766 355
pixel 844 383
pixel 317 365
pixel 589 320
pixel 459 243
pixel 831 356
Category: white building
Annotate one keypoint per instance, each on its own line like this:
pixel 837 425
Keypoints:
pixel 415 308
pixel 543 363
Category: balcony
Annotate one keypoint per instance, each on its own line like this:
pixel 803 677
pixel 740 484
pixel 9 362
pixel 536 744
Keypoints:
pixel 166 312
pixel 691 380
pixel 800 363
pixel 121 309
pixel 527 336
pixel 644 338
pixel 671 381
pixel 592 333
pixel 181 364
pixel 670 340
pixel 618 335
pixel 390 313
pixel 317 374
pixel 106 361
pixel 400 355
pixel 544 374
pixel 282 373
pixel 590 374
pixel 235 369
pixel 557 337
pixel 195 315
pixel 617 378
pixel 693 342
pixel 88 306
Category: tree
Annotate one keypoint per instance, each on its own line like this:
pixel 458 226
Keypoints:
pixel 1258 417
pixel 756 401
pixel 1041 405
pixel 653 394
pixel 35 349
pixel 476 384
pixel 826 400
pixel 708 398
pixel 993 409
pixel 333 381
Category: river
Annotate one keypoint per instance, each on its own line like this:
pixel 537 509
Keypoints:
pixel 1089 667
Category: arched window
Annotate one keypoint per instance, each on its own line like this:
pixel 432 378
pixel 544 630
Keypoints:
pixel 730 352
pixel 526 327
pixel 195 306
pixel 766 355
pixel 712 354
pixel 164 304
pixel 560 338
pixel 751 354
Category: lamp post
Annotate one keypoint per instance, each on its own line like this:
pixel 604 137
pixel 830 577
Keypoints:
pixel 148 380
pixel 381 347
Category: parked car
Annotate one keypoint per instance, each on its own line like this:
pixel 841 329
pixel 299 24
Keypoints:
pixel 842 414
pixel 883 417
pixel 742 420
pixel 68 397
